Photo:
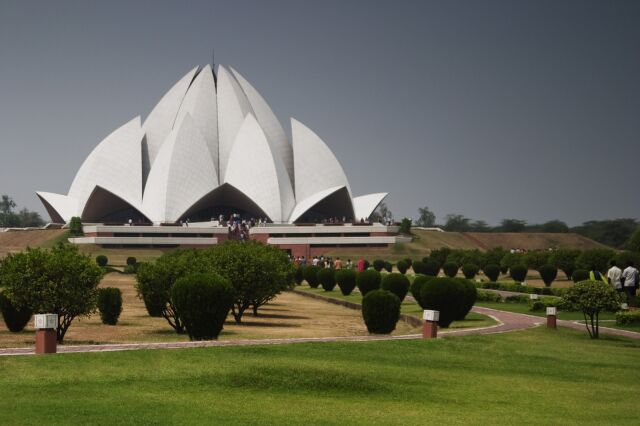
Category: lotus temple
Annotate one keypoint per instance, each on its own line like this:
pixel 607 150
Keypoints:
pixel 213 149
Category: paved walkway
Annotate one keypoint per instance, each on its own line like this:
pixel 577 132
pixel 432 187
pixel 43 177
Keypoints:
pixel 507 321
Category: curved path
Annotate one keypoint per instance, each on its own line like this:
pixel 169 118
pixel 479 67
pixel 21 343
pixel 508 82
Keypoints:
pixel 507 321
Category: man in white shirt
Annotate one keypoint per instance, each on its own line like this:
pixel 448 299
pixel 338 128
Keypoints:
pixel 630 277
pixel 614 274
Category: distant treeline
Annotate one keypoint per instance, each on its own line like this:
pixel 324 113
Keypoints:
pixel 614 232
pixel 9 218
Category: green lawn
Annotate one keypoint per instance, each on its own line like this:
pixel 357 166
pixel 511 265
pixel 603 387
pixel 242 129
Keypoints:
pixel 472 320
pixel 529 377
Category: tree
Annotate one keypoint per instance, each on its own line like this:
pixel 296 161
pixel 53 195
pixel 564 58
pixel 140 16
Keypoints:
pixel 405 226
pixel 565 260
pixel 75 226
pixel 536 258
pixel 381 214
pixel 634 241
pixel 58 281
pixel 613 233
pixel 513 225
pixel 457 223
pixel 7 217
pixel 257 272
pixel 24 218
pixel 554 226
pixel 426 219
pixel 155 280
pixel 479 226
pixel 204 301
pixel 591 298
pixel 597 259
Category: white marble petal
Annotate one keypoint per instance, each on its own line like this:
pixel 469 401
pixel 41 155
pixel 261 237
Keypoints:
pixel 304 205
pixel 160 121
pixel 182 174
pixel 254 170
pixel 61 208
pixel 200 102
pixel 269 122
pixel 233 107
pixel 365 205
pixel 316 168
pixel 115 164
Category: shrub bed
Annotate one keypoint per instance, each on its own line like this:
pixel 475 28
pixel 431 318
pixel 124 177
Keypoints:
pixel 380 311
pixel 416 287
pixel 203 301
pixel 450 269
pixel 470 270
pixel 548 273
pixel 397 284
pixel 327 278
pixel 346 279
pixel 444 295
pixel 109 305
pixel 579 275
pixel 311 275
pixel 518 273
pixel 402 266
pixel 492 272
pixel 627 317
pixel 15 319
pixel 102 260
pixel 488 296
pixel 367 281
pixel 378 264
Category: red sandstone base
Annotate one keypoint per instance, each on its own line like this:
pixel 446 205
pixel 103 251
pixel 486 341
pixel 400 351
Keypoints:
pixel 46 342
pixel 551 321
pixel 430 330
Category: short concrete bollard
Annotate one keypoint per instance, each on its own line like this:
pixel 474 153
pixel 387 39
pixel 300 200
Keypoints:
pixel 430 327
pixel 551 318
pixel 46 339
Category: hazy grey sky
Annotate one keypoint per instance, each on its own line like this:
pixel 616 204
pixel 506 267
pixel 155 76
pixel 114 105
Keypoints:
pixel 491 109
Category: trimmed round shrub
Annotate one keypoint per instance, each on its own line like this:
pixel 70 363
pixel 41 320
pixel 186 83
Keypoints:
pixel 131 261
pixel 203 301
pixel 431 268
pixel 102 260
pixel 548 273
pixel 388 266
pixel 397 284
pixel 580 275
pixel 367 281
pixel 470 270
pixel 298 275
pixel 109 305
pixel 418 267
pixel 450 269
pixel 409 261
pixel 346 279
pixel 518 273
pixel 492 272
pixel 311 275
pixel 444 295
pixel 416 287
pixel 327 278
pixel 402 266
pixel 366 264
pixel 378 264
pixel 380 311
pixel 469 295
pixel 15 319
